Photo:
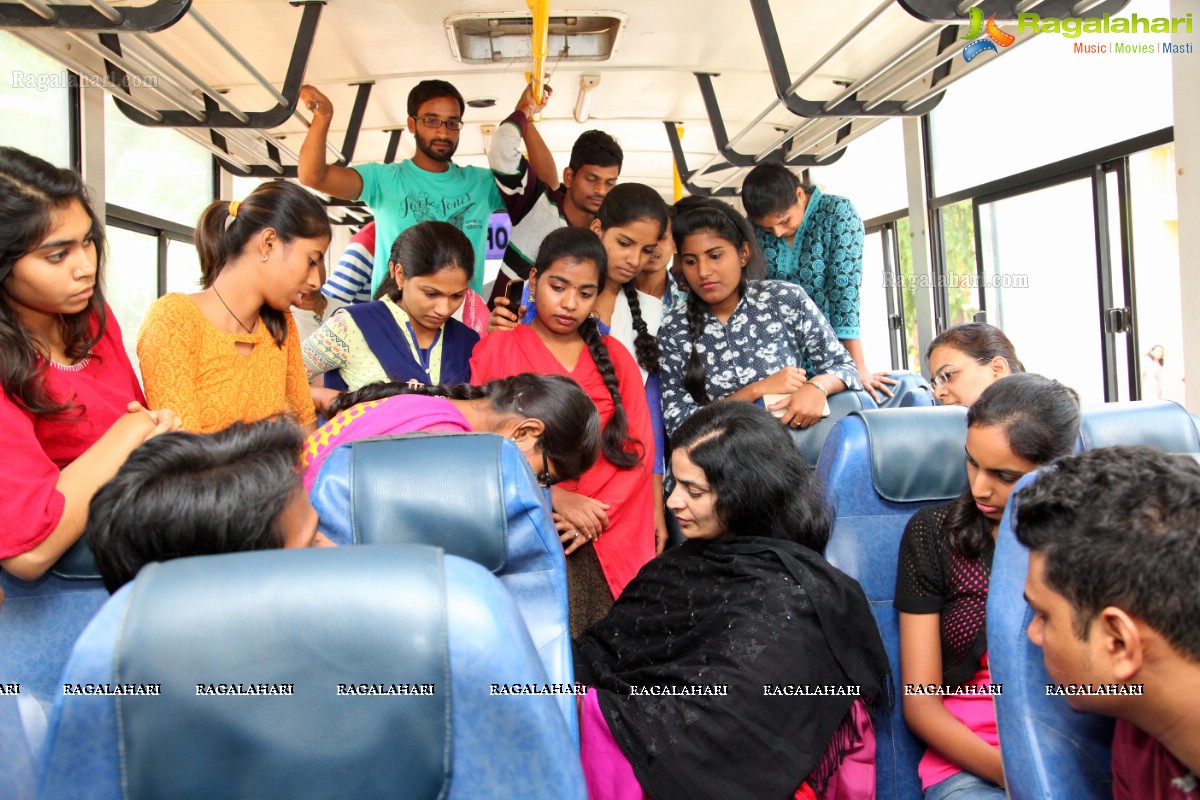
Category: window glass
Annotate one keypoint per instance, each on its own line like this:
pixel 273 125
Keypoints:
pixel 1159 317
pixel 1041 284
pixel 131 282
pixel 908 294
pixel 958 233
pixel 1044 102
pixel 183 267
pixel 873 313
pixel 155 171
pixel 870 172
pixel 33 102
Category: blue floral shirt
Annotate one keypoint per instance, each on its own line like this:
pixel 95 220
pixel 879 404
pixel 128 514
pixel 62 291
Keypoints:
pixel 825 259
pixel 775 325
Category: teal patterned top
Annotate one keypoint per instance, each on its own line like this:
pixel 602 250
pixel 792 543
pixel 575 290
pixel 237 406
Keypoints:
pixel 825 259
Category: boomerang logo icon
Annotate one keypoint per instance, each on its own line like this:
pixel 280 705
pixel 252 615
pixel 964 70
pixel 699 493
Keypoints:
pixel 995 36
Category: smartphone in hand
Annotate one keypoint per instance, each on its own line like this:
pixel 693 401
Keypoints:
pixel 512 293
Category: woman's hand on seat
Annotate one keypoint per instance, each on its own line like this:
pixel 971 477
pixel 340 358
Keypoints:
pixel 804 407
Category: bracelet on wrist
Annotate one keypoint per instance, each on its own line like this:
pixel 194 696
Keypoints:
pixel 824 391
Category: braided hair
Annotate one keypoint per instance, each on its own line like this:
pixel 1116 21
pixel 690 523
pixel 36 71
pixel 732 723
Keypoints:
pixel 571 435
pixel 724 222
pixel 625 204
pixel 645 344
pixel 581 245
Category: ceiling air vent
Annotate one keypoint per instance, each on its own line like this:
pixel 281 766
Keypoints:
pixel 492 38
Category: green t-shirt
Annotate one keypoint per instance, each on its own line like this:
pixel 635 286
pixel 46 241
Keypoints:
pixel 401 195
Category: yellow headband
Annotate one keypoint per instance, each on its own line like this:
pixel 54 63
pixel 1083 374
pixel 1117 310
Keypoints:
pixel 233 209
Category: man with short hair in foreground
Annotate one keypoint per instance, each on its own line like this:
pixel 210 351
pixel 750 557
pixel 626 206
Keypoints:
pixel 1114 540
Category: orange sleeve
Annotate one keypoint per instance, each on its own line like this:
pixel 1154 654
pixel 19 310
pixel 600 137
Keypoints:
pixel 299 399
pixel 168 351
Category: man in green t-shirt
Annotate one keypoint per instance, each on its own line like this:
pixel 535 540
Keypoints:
pixel 427 187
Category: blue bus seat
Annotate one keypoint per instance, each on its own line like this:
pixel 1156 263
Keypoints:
pixel 1048 749
pixel 810 440
pixel 879 468
pixel 378 619
pixel 471 494
pixel 911 391
pixel 1155 423
pixel 40 620
pixel 22 734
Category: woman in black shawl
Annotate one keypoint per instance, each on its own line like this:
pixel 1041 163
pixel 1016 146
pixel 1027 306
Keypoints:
pixel 736 664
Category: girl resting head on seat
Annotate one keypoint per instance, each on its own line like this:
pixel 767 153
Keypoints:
pixel 965 359
pixel 193 494
pixel 717 642
pixel 231 352
pixel 549 418
pixel 71 407
pixel 1018 424
pixel 408 333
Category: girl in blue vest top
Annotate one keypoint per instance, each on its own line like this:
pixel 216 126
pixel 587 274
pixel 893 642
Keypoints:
pixel 407 334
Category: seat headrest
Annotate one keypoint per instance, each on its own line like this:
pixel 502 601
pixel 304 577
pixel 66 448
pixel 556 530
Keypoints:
pixel 911 390
pixel 286 628
pixel 917 454
pixel 1155 423
pixel 810 440
pixel 444 490
pixel 78 563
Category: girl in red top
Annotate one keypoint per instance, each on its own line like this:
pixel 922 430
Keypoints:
pixel 611 506
pixel 72 409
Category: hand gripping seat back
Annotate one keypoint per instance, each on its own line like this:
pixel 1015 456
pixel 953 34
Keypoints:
pixel 911 391
pixel 809 440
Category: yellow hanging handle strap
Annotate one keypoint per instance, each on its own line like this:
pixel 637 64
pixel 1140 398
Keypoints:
pixel 540 46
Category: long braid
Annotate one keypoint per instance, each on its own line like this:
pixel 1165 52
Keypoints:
pixel 379 391
pixel 614 436
pixel 693 374
pixel 645 344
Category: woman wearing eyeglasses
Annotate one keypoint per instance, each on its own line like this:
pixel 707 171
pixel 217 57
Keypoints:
pixel 966 359
pixel 549 418
pixel 429 186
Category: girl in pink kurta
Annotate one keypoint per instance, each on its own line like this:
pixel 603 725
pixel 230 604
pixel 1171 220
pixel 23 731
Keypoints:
pixel 71 409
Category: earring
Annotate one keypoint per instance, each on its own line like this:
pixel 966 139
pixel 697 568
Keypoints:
pixel 264 258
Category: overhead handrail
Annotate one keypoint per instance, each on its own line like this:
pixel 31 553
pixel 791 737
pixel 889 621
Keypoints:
pixel 237 56
pixel 118 68
pixel 685 174
pixel 955 11
pixel 271 118
pixel 353 128
pixel 845 105
pixel 539 45
pixel 96 16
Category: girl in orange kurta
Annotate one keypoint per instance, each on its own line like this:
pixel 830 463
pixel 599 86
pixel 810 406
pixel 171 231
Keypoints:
pixel 606 518
pixel 231 351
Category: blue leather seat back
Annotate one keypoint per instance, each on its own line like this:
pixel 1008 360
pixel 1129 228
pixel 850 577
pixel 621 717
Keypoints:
pixel 1048 749
pixel 879 468
pixel 1154 423
pixel 810 440
pixel 475 496
pixel 911 391
pixel 40 620
pixel 312 620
